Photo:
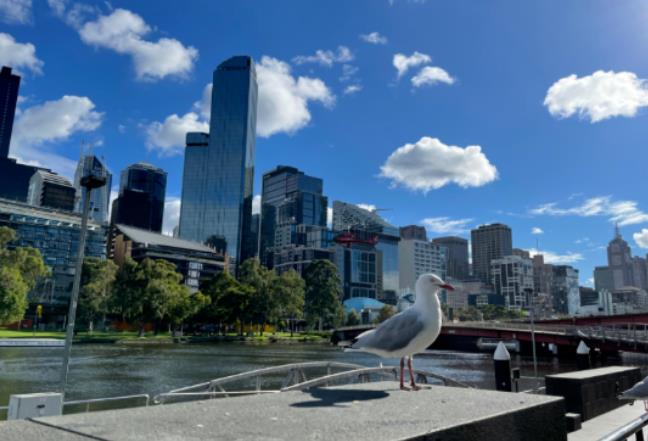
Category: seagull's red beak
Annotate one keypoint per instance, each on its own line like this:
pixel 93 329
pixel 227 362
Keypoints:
pixel 447 286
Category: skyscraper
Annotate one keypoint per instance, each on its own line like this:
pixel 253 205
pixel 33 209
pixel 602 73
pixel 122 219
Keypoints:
pixel 289 198
pixel 100 197
pixel 219 166
pixel 51 190
pixel 140 203
pixel 489 242
pixel 413 232
pixel 9 84
pixel 457 256
pixel 14 177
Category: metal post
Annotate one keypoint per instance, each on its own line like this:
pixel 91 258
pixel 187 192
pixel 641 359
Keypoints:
pixel 74 298
pixel 502 360
pixel 533 342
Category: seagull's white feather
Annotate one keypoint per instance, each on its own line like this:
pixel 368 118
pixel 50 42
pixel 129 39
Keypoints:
pixel 408 332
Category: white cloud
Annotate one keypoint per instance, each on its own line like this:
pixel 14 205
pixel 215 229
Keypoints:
pixel 430 164
pixel 283 99
pixel 557 259
pixel 349 72
pixel 76 14
pixel 621 212
pixel 326 57
pixel 53 121
pixel 374 38
pixel 599 96
pixel 256 204
pixel 171 215
pixel 403 63
pixel 352 88
pixel 368 207
pixel 18 55
pixel 16 11
pixel 168 137
pixel 431 75
pixel 641 238
pixel 283 106
pixel 537 230
pixel 329 217
pixel 123 31
pixel 445 225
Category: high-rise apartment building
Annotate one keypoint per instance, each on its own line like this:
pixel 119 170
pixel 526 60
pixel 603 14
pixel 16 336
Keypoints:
pixel 349 217
pixel 289 198
pixel 512 277
pixel 489 242
pixel 14 177
pixel 99 197
pixel 413 232
pixel 565 291
pixel 457 265
pixel 417 257
pixel 51 191
pixel 140 204
pixel 219 166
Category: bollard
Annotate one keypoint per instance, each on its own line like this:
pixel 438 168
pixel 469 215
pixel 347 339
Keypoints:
pixel 583 356
pixel 502 360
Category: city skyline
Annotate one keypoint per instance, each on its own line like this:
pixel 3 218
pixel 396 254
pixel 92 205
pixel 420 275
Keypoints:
pixel 587 169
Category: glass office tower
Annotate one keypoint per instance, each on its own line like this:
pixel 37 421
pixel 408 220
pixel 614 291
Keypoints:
pixel 219 167
pixel 289 198
pixel 140 203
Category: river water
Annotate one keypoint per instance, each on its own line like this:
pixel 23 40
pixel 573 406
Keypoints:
pixel 105 370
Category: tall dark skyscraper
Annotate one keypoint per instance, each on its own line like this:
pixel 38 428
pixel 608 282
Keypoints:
pixel 9 84
pixel 457 256
pixel 489 242
pixel 219 166
pixel 140 203
pixel 14 177
pixel 289 198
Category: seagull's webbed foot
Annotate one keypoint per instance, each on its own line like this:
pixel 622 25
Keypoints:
pixel 646 405
pixel 403 387
pixel 416 387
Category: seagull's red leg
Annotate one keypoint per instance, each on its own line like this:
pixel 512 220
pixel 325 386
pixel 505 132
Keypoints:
pixel 411 372
pixel 646 405
pixel 402 368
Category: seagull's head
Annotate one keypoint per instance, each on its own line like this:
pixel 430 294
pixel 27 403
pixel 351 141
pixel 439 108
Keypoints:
pixel 431 283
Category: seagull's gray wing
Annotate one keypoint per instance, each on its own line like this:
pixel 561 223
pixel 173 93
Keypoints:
pixel 393 334
pixel 637 392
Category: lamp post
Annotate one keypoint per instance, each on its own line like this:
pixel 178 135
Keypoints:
pixel 89 182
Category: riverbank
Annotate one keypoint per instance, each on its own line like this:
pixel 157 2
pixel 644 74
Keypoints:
pixel 128 337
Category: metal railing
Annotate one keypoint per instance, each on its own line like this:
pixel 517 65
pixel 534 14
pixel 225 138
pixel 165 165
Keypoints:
pixel 634 427
pixel 295 379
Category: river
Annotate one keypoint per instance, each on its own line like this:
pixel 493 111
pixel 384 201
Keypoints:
pixel 105 370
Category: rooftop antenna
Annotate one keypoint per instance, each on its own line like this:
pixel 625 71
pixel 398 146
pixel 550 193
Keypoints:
pixel 617 232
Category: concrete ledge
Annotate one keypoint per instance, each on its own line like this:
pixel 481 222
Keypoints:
pixel 370 411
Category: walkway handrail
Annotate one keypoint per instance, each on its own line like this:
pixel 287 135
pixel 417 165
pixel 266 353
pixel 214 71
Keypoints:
pixel 269 370
pixel 147 398
pixel 629 429
pixel 389 371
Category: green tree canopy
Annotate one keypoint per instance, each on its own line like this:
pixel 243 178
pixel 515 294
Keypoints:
pixel 322 304
pixel 22 267
pixel 288 292
pixel 97 279
pixel 385 312
pixel 229 299
pixel 262 307
pixel 353 318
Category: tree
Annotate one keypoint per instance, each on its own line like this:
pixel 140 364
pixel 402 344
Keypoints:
pixel 21 268
pixel 229 299
pixel 97 279
pixel 288 293
pixel 13 295
pixel 353 318
pixel 184 305
pixel 385 312
pixel 322 296
pixel 262 307
pixel 147 291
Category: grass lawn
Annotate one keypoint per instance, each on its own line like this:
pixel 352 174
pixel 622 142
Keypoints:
pixel 133 335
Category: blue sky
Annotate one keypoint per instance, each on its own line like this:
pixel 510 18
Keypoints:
pixel 447 113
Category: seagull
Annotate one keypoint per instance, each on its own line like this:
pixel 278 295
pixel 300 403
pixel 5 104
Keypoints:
pixel 637 392
pixel 410 331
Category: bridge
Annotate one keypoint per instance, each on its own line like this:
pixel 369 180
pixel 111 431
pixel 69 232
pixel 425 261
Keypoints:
pixel 606 339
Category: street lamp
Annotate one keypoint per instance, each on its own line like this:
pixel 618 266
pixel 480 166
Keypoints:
pixel 96 178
